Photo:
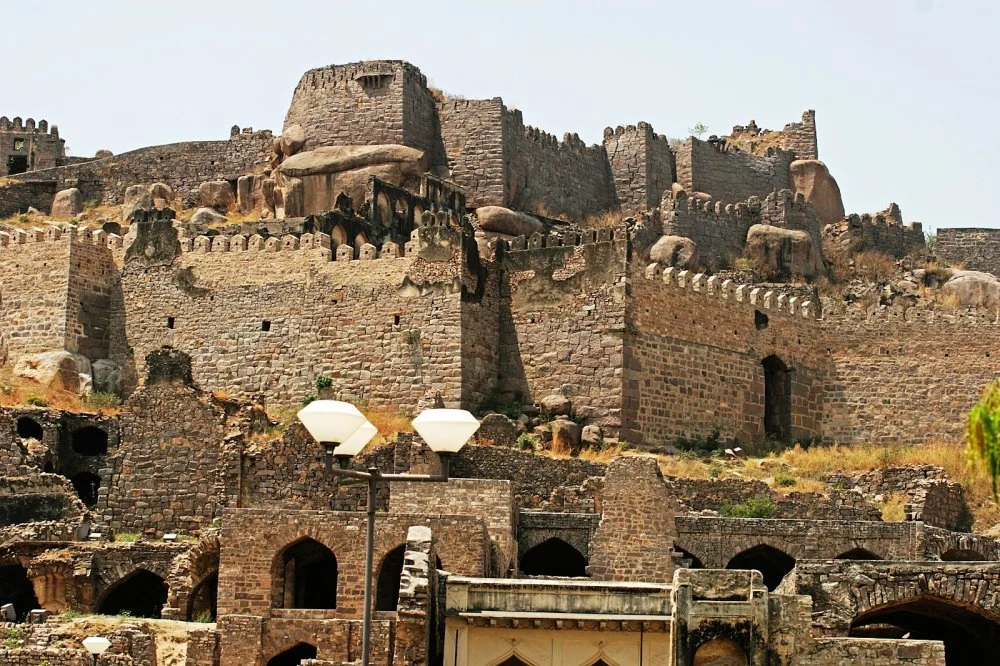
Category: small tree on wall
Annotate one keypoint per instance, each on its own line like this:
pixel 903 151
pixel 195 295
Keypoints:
pixel 983 433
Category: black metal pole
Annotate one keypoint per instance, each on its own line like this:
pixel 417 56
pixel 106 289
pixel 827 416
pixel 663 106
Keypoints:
pixel 369 552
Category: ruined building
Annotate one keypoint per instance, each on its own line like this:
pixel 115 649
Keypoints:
pixel 396 247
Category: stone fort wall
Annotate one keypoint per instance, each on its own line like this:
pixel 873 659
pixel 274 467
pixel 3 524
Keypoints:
pixel 642 165
pixel 972 249
pixel 731 175
pixel 27 146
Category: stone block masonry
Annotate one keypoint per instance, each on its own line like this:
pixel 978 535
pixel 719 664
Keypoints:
pixel 641 165
pixel 25 146
pixel 731 175
pixel 972 249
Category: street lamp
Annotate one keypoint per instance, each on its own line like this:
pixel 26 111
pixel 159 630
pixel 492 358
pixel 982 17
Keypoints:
pixel 336 426
pixel 96 646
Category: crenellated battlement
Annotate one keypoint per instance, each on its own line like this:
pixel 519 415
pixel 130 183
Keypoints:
pixel 539 241
pixel 28 126
pixel 761 298
pixel 332 75
pixel 53 234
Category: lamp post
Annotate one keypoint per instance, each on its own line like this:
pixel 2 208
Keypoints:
pixel 96 646
pixel 338 428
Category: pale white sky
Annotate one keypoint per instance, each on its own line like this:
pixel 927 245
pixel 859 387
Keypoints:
pixel 905 91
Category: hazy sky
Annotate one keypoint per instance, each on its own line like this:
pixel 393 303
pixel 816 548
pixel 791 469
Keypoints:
pixel 905 91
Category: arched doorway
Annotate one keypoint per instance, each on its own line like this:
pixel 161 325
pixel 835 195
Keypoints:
pixel 777 399
pixel 553 557
pixel 142 594
pixel 28 428
pixel 306 577
pixel 387 589
pixel 16 588
pixel 720 652
pixel 692 560
pixel 203 602
pixel 771 562
pixel 962 555
pixel 971 636
pixel 90 441
pixel 294 655
pixel 86 485
pixel 858 554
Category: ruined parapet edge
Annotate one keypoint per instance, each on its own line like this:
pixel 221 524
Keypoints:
pixel 52 234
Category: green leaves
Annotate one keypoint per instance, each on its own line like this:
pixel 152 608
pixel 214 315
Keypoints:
pixel 982 434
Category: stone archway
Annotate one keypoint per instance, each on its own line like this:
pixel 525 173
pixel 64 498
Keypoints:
pixel 772 563
pixel 140 594
pixel 293 656
pixel 29 428
pixel 962 555
pixel 203 600
pixel 305 576
pixel 720 652
pixel 857 554
pixel 553 557
pixel 16 588
pixel 90 441
pixel 971 635
pixel 387 586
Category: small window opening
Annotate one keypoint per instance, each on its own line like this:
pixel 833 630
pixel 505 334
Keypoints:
pixel 16 164
pixel 395 321
pixel 29 429
pixel 265 325
pixel 170 322
pixel 18 144
pixel 90 441
pixel 760 320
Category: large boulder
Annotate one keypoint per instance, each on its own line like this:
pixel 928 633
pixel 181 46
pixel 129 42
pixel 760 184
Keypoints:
pixel 162 195
pixel 107 376
pixel 506 221
pixel 783 254
pixel 67 204
pixel 58 369
pixel 217 194
pixel 565 436
pixel 973 289
pixel 292 140
pixel 812 179
pixel 207 216
pixel 676 251
pixel 334 159
pixel 556 403
pixel 137 197
pixel 498 430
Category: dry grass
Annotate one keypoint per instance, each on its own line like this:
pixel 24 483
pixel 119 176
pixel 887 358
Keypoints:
pixel 874 266
pixel 16 390
pixel 608 219
pixel 390 422
pixel 894 508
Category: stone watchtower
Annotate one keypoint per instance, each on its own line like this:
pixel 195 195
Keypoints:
pixel 27 147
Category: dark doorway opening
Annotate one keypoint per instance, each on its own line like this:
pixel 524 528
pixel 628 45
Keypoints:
pixel 858 554
pixel 771 562
pixel 86 485
pixel 554 557
pixel 143 594
pixel 971 637
pixel 29 429
pixel 777 399
pixel 90 441
pixel 307 577
pixel 16 588
pixel 513 660
pixel 692 561
pixel 17 164
pixel 387 589
pixel 293 656
pixel 203 602
pixel 960 555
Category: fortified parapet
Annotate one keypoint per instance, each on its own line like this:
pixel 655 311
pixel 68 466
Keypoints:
pixel 883 232
pixel 727 173
pixel 719 229
pixel 642 165
pixel 799 137
pixel 25 146
pixel 974 249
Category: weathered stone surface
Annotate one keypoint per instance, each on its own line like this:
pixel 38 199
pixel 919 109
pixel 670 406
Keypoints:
pixel 67 203
pixel 216 194
pixel 207 216
pixel 974 288
pixel 565 436
pixel 785 253
pixel 56 368
pixel 556 403
pixel 162 194
pixel 812 179
pixel 497 430
pixel 107 376
pixel 592 435
pixel 506 221
pixel 334 159
pixel 675 251
pixel 293 138
pixel 137 197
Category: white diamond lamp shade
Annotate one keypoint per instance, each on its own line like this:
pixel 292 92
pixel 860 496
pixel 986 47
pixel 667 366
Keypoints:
pixel 96 644
pixel 445 430
pixel 356 442
pixel 331 420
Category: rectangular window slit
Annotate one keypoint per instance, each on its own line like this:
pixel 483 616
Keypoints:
pixel 265 325
pixel 170 322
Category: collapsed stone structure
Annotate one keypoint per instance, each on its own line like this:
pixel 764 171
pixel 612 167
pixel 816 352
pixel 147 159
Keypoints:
pixel 408 248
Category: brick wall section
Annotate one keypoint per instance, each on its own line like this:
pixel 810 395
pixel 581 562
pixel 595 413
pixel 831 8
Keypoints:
pixel 202 648
pixel 561 327
pixel 94 282
pixel 171 476
pixel 33 300
pixel 873 652
pixel 480 329
pixel 641 165
pixel 18 197
pixel 634 540
pixel 40 145
pixel 473 134
pixel 182 166
pixel 719 230
pixel 800 138
pixel 693 362
pixel 730 175
pixel 973 249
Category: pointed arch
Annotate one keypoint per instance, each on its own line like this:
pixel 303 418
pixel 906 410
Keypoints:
pixel 858 554
pixel 720 652
pixel 305 576
pixel 338 235
pixel 694 562
pixel 203 600
pixel 142 593
pixel 294 655
pixel 512 659
pixel 772 563
pixel 553 557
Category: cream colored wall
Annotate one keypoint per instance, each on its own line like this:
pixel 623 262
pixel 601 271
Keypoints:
pixel 488 646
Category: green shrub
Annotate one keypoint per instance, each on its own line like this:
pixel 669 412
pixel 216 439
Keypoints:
pixel 204 617
pixel 13 639
pixel 714 470
pixel 784 480
pixel 69 614
pixel 700 443
pixel 309 398
pixel 760 506
pixel 527 441
pixel 37 400
pixel 101 399
pixel 128 537
pixel 323 382
pixel 413 337
pixel 23 217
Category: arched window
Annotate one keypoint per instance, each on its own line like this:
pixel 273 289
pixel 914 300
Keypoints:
pixel 86 485
pixel 338 235
pixel 16 588
pixel 90 441
pixel 771 562
pixel 203 602
pixel 777 399
pixel 962 555
pixel 971 636
pixel 387 590
pixel 720 652
pixel 306 577
pixel 294 655
pixel 858 554
pixel 142 594
pixel 553 557
pixel 28 428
